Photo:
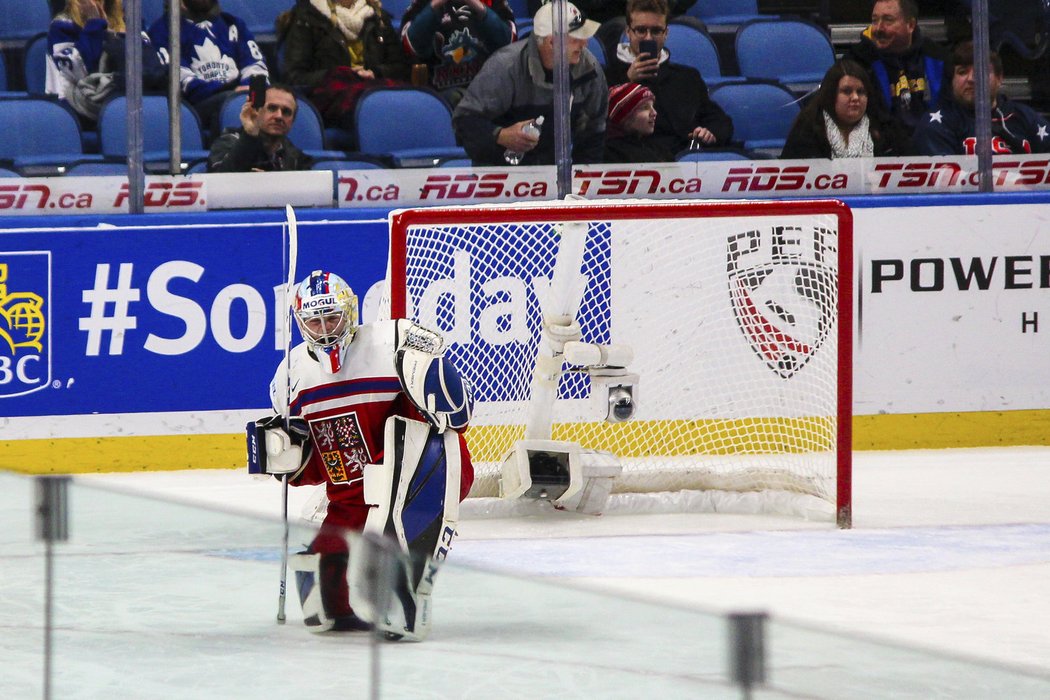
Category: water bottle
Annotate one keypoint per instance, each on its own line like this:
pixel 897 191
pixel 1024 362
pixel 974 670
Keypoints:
pixel 532 129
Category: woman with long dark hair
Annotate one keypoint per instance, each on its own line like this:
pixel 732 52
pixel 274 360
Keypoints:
pixel 840 120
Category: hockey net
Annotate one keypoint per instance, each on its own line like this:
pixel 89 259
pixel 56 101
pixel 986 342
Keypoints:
pixel 738 315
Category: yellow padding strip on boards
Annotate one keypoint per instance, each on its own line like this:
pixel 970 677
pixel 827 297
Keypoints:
pixel 123 454
pixel 170 452
pixel 945 430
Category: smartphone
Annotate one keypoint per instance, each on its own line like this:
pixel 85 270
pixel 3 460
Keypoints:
pixel 257 91
pixel 648 46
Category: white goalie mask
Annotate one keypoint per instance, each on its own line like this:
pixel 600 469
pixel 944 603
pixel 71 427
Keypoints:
pixel 326 312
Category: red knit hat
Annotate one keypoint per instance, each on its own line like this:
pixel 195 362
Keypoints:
pixel 623 100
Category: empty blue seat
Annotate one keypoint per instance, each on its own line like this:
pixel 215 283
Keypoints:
pixel 335 165
pixel 762 114
pixel 412 126
pixel 259 15
pixel 722 12
pixel 21 19
pixel 595 47
pixel 113 129
pixel 710 155
pixel 39 133
pixel 35 66
pixel 792 51
pixel 97 168
pixel 694 47
pixel 4 172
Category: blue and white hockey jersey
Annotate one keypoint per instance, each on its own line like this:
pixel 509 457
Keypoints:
pixel 217 54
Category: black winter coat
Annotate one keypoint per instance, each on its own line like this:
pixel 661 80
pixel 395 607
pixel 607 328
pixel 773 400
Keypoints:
pixel 808 138
pixel 682 104
pixel 312 45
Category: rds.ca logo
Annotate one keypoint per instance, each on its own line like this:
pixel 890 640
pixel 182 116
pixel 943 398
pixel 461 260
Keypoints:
pixel 25 352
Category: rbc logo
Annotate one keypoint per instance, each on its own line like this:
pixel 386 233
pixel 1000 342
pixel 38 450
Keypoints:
pixel 25 345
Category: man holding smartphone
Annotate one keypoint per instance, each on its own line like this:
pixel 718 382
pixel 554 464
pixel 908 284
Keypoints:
pixel 261 144
pixel 687 117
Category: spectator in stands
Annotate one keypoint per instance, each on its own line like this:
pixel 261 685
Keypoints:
pixel 515 86
pixel 632 118
pixel 454 38
pixel 334 50
pixel 686 114
pixel 841 121
pixel 86 55
pixel 219 56
pixel 905 67
pixel 261 144
pixel 950 129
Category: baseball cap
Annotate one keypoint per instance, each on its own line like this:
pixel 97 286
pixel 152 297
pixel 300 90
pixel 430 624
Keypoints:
pixel 579 26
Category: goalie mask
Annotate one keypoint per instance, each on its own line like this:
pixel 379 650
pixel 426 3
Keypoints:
pixel 326 312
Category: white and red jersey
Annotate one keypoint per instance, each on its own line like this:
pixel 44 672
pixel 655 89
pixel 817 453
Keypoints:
pixel 347 414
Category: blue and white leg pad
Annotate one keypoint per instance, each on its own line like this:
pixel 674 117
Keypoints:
pixel 415 492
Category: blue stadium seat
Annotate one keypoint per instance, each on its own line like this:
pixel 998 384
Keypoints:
pixel 152 10
pixel 594 45
pixel 791 51
pixel 721 12
pixel 307 131
pixel 97 168
pixel 113 126
pixel 456 163
pixel 4 172
pixel 21 19
pixel 710 155
pixel 4 92
pixel 40 135
pixel 522 17
pixel 397 10
pixel 762 114
pixel 421 133
pixel 337 164
pixel 694 47
pixel 35 67
pixel 259 15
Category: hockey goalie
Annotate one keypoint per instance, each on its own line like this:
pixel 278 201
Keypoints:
pixel 375 413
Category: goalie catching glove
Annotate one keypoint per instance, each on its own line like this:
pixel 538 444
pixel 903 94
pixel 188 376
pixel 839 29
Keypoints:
pixel 272 449
pixel 429 379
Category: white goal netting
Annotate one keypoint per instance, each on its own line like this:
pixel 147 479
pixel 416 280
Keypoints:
pixel 734 312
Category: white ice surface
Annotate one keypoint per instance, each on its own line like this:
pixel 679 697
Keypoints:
pixel 950 552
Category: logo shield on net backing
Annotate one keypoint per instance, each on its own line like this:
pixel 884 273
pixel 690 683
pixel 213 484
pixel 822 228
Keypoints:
pixel 785 309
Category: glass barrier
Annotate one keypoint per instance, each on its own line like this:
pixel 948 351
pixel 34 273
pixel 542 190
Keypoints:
pixel 153 598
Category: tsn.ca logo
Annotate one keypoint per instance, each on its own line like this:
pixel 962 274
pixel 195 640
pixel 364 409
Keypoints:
pixel 783 291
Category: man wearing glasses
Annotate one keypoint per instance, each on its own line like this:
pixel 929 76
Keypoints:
pixel 687 117
pixel 261 144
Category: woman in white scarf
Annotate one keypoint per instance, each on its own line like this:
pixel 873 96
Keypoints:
pixel 335 49
pixel 840 121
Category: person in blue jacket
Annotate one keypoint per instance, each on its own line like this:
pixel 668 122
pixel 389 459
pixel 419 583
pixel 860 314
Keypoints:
pixel 950 129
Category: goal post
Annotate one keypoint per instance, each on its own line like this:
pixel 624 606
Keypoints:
pixel 736 319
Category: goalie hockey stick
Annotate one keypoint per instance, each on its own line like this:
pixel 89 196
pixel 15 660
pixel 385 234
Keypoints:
pixel 291 250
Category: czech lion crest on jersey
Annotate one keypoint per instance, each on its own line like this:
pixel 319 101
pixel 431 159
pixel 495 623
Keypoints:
pixel 785 307
pixel 341 446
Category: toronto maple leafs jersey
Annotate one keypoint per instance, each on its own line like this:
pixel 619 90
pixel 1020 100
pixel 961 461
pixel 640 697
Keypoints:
pixel 217 54
pixel 347 413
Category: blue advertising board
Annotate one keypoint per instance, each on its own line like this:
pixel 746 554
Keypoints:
pixel 147 317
